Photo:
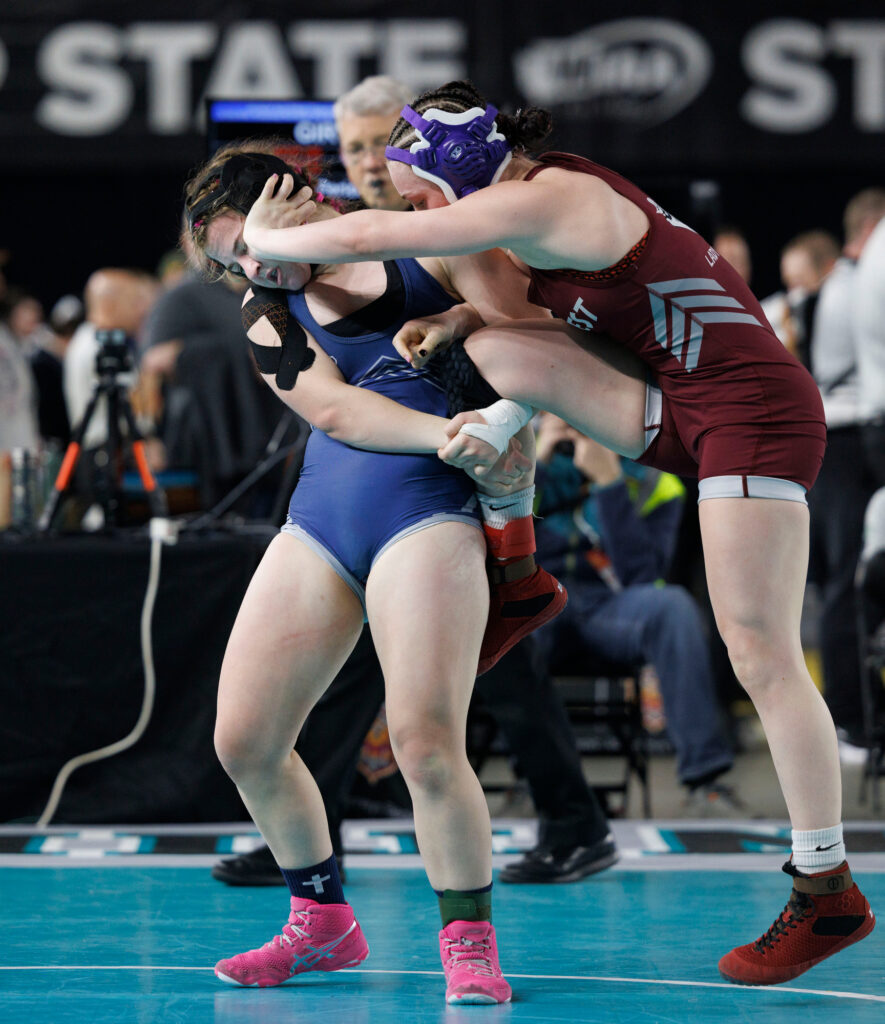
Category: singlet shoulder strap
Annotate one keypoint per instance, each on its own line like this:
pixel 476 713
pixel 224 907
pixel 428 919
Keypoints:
pixel 567 161
pixel 379 314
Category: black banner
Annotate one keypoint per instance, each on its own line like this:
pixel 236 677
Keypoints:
pixel 87 83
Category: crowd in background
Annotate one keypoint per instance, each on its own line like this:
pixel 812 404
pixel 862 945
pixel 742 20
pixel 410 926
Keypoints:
pixel 830 313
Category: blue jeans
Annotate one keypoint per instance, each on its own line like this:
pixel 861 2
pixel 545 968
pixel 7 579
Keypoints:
pixel 660 625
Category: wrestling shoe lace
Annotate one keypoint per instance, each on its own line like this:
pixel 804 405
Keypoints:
pixel 298 932
pixel 474 954
pixel 799 906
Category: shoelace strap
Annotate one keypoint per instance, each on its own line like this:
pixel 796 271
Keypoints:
pixel 512 571
pixel 297 927
pixel 472 953
pixel 823 885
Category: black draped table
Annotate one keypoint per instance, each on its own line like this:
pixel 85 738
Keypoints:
pixel 71 675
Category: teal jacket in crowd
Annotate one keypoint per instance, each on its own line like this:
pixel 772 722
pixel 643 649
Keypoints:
pixel 613 536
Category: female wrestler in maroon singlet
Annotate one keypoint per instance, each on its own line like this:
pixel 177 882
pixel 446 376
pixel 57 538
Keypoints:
pixel 678 367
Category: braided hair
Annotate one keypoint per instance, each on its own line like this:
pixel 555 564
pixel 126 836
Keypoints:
pixel 525 130
pixel 459 377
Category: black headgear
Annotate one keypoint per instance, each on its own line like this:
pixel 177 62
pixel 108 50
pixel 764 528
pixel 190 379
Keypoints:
pixel 240 181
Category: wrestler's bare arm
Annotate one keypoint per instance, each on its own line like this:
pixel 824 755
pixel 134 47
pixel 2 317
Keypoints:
pixel 557 219
pixel 356 416
pixel 363 418
pixel 494 289
pixel 504 214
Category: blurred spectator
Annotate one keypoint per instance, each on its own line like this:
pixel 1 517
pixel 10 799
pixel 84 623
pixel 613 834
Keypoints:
pixel 607 530
pixel 517 693
pixel 218 414
pixel 26 320
pixel 838 500
pixel 172 268
pixel 732 246
pixel 47 363
pixel 869 321
pixel 114 298
pixel 364 117
pixel 18 395
pixel 574 839
pixel 805 262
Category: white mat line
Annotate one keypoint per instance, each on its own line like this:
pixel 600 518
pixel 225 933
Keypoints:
pixel 861 863
pixel 527 977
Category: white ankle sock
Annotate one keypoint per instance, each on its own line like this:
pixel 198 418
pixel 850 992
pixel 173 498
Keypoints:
pixel 498 512
pixel 818 849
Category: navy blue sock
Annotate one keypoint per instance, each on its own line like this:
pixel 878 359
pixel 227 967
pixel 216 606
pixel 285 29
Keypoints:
pixel 320 882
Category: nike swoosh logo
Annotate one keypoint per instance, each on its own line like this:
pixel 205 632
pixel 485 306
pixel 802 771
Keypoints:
pixel 820 849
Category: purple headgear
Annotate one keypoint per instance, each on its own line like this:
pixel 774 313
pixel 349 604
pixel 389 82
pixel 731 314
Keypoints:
pixel 458 152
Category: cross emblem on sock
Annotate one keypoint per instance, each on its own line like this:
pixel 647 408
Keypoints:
pixel 317 882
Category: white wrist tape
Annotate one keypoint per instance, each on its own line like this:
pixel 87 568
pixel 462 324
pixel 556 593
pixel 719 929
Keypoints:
pixel 502 420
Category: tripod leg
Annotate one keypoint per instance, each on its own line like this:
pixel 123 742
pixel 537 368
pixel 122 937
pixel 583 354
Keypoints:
pixel 155 495
pixel 66 470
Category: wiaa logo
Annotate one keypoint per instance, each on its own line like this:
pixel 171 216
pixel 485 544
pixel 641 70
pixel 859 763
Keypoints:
pixel 637 70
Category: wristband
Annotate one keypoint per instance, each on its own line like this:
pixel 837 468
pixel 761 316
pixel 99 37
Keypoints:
pixel 503 419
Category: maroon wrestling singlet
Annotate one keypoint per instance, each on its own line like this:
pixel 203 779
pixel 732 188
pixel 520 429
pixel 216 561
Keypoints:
pixel 735 402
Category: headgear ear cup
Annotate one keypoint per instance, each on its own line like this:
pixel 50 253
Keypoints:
pixel 458 152
pixel 294 355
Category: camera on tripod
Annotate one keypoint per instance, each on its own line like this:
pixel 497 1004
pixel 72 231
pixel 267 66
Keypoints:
pixel 115 370
pixel 114 355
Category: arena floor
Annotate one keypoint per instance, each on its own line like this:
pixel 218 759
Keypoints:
pixel 110 925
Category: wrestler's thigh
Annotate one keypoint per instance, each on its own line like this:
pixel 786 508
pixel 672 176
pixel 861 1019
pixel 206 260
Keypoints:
pixel 598 386
pixel 756 558
pixel 297 624
pixel 427 599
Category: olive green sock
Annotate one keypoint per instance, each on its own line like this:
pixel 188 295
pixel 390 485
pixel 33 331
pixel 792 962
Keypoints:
pixel 473 905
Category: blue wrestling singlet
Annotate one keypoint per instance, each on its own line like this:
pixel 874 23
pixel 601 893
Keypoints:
pixel 350 504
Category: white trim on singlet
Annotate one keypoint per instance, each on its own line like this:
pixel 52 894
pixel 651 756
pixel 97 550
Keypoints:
pixel 422 524
pixel 654 409
pixel 294 530
pixel 751 487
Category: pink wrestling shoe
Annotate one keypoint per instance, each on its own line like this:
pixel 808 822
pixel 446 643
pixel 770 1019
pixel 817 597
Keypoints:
pixel 470 960
pixel 318 937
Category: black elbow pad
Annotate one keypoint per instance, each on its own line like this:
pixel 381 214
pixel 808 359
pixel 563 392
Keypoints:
pixel 294 355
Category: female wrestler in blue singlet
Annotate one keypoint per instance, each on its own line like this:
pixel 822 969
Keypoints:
pixel 350 505
pixel 377 524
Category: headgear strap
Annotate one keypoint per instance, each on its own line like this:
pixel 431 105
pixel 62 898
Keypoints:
pixel 458 152
pixel 239 184
pixel 294 356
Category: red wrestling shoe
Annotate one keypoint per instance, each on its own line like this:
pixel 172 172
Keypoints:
pixel 522 597
pixel 826 912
